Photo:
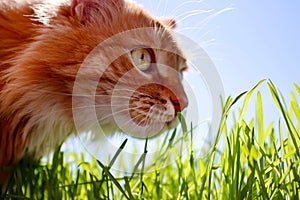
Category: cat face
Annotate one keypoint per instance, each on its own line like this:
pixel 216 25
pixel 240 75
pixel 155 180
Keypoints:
pixel 136 69
pixel 146 99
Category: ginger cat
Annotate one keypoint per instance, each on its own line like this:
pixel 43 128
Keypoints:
pixel 42 49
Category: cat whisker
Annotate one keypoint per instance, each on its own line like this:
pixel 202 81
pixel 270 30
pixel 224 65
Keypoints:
pixel 96 106
pixel 177 9
pixel 166 6
pixel 118 112
pixel 148 116
pixel 132 119
pixel 59 93
pixel 83 95
pixel 89 107
pixel 203 35
pixel 158 5
pixel 208 43
pixel 209 18
pixel 192 13
pixel 92 122
pixel 148 119
pixel 83 107
pixel 118 97
pixel 134 91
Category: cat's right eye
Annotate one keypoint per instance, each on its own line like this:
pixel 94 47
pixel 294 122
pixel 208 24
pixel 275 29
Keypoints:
pixel 142 59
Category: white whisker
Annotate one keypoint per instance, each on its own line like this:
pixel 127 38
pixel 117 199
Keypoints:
pixel 173 12
pixel 132 119
pixel 209 18
pixel 166 6
pixel 148 119
pixel 192 13
pixel 95 106
pixel 118 112
pixel 134 91
pixel 92 122
pixel 159 4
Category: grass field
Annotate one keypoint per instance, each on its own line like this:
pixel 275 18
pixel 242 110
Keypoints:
pixel 248 160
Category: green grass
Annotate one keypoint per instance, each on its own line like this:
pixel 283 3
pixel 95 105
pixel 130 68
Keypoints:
pixel 248 160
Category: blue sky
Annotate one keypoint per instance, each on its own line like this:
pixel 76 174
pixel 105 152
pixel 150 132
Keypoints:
pixel 256 40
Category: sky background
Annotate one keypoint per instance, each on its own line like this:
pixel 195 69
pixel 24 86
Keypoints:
pixel 247 40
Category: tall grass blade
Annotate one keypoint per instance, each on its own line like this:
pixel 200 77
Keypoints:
pixel 297 88
pixel 117 153
pixel 260 120
pixel 292 130
pixel 247 99
pixel 182 122
pixel 143 167
pixel 114 180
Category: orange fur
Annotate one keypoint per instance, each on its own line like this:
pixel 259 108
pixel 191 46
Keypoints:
pixel 39 62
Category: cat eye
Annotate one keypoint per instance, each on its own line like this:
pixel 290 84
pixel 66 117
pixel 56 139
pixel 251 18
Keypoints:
pixel 142 59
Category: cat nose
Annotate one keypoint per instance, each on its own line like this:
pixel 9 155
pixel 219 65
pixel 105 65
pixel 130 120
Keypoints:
pixel 179 103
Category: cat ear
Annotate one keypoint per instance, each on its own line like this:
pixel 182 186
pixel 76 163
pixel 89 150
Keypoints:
pixel 87 10
pixel 170 22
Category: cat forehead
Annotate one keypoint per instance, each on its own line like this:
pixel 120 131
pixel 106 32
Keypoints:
pixel 156 38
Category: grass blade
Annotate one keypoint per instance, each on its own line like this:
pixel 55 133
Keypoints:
pixel 292 130
pixel 117 153
pixel 260 120
pixel 114 180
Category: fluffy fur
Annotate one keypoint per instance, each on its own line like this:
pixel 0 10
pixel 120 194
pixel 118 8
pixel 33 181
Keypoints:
pixel 42 47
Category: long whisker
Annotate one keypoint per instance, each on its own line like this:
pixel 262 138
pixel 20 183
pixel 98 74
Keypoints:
pixel 132 119
pixel 107 116
pixel 189 14
pixel 203 35
pixel 83 107
pixel 129 90
pixel 92 106
pixel 118 112
pixel 185 3
pixel 209 18
pixel 148 119
pixel 166 6
pixel 92 122
pixel 159 4
pixel 97 106
pixel 81 95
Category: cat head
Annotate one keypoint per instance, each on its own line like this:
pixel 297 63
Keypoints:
pixel 105 62
pixel 135 70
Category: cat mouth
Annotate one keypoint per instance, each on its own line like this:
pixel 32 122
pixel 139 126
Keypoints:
pixel 150 114
pixel 154 105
